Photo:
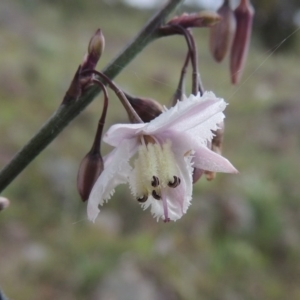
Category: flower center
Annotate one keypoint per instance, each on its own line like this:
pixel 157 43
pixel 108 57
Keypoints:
pixel 154 169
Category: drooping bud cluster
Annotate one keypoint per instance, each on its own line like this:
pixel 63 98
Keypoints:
pixel 232 33
pixel 161 170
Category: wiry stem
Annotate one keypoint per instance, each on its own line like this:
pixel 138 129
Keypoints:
pixel 67 112
pixel 196 81
pixel 129 109
pixel 101 123
pixel 180 88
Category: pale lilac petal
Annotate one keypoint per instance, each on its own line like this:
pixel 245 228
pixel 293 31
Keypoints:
pixel 186 114
pixel 204 158
pixel 208 160
pixel 203 132
pixel 116 172
pixel 119 132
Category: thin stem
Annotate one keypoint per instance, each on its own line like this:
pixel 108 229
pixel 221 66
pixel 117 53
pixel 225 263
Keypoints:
pixel 180 88
pixel 197 83
pixel 67 112
pixel 193 55
pixel 129 109
pixel 97 140
pixel 172 29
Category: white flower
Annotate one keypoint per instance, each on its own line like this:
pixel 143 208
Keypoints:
pixel 167 148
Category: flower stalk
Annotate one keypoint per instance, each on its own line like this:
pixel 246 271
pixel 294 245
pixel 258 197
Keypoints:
pixel 119 93
pixel 92 164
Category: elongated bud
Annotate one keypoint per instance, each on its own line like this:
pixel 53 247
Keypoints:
pixel 79 82
pixel 201 19
pixel 148 109
pixel 221 34
pixel 89 170
pixel 95 50
pixel 216 146
pixel 244 16
pixel 91 166
pixel 4 203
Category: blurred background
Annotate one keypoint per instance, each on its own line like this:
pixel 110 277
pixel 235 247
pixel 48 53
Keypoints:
pixel 240 237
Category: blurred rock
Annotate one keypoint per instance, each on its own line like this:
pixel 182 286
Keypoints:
pixel 126 282
pixel 15 231
pixel 110 222
pixel 35 253
pixel 164 244
pixel 237 214
pixel 283 125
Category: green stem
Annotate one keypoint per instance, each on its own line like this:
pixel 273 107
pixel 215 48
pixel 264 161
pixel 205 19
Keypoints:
pixel 67 112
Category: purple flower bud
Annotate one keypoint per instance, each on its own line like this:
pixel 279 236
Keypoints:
pixel 244 16
pixel 221 34
pixel 148 109
pixel 89 170
pixel 201 19
pixel 95 50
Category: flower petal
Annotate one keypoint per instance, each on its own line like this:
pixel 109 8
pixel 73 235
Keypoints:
pixel 116 172
pixel 204 158
pixel 186 114
pixel 119 132
pixel 208 160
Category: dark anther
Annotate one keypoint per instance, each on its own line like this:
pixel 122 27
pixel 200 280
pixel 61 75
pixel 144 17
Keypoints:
pixel 155 195
pixel 175 183
pixel 155 181
pixel 142 199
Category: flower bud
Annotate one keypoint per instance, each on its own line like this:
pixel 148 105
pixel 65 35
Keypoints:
pixel 4 203
pixel 221 34
pixel 244 16
pixel 89 170
pixel 201 19
pixel 148 109
pixel 95 50
pixel 92 164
